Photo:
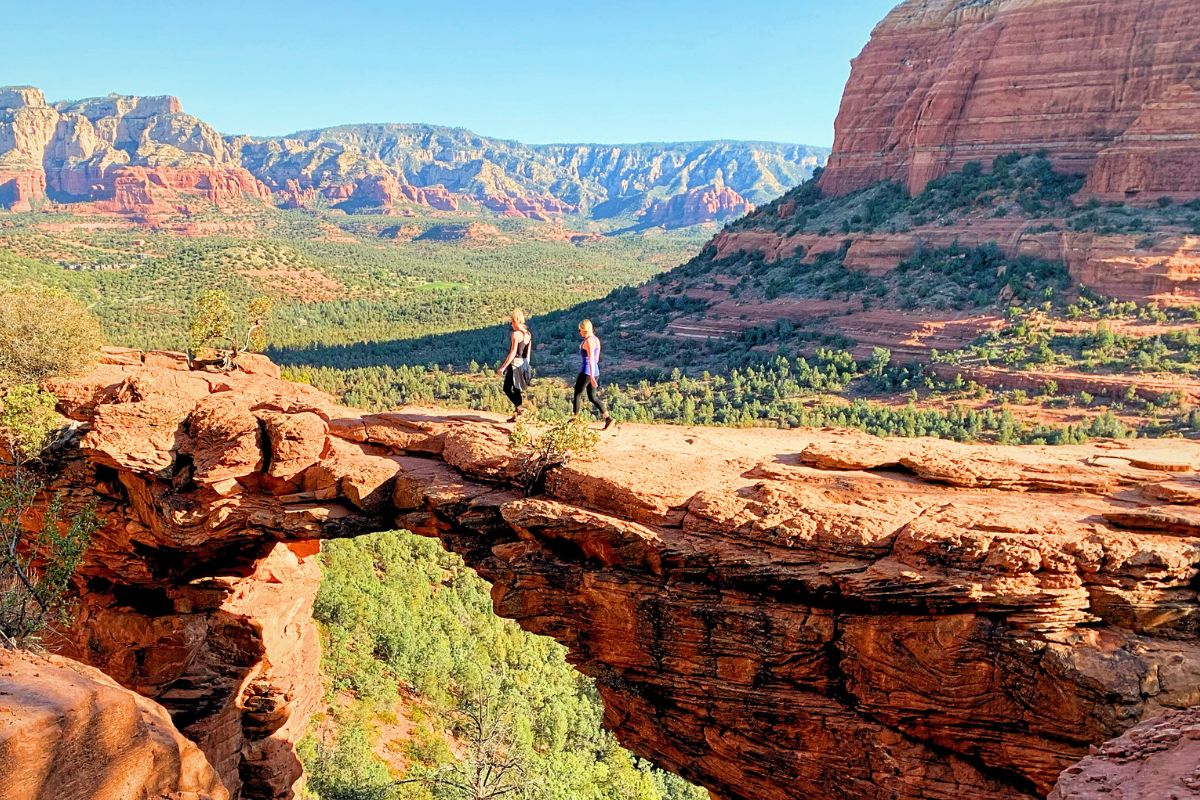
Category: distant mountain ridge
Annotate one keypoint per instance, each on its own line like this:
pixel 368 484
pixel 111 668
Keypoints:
pixel 146 156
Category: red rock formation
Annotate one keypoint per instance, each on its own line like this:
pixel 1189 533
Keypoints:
pixel 544 208
pixel 168 190
pixel 293 195
pixel 69 732
pixel 713 203
pixel 21 189
pixel 1158 759
pixel 1104 84
pixel 1114 265
pixel 133 155
pixel 800 614
pixel 381 193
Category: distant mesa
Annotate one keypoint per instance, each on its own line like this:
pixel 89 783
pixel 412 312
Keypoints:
pixel 146 158
pixel 715 202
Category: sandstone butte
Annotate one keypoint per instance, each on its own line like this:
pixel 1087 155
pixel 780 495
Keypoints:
pixel 771 614
pixel 1109 88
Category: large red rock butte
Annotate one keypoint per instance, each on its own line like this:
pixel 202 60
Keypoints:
pixel 127 155
pixel 713 203
pixel 1109 88
pixel 771 614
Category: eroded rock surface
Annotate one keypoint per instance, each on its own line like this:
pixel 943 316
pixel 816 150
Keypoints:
pixel 1110 88
pixel 772 614
pixel 1157 759
pixel 67 731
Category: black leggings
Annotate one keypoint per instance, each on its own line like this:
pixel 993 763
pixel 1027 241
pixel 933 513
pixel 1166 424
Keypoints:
pixel 584 384
pixel 511 390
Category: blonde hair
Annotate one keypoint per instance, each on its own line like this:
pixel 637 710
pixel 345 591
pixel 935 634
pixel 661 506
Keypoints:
pixel 518 317
pixel 586 328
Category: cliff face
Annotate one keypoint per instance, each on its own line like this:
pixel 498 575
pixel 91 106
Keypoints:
pixel 770 614
pixel 1108 87
pixel 145 156
pixel 134 155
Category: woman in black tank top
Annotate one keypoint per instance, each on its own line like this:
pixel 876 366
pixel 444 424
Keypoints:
pixel 515 369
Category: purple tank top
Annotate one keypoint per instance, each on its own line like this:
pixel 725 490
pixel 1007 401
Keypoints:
pixel 585 363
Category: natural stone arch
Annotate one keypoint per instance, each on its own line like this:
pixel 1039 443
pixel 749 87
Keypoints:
pixel 769 614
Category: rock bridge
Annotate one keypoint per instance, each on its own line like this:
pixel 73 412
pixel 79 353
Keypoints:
pixel 770 614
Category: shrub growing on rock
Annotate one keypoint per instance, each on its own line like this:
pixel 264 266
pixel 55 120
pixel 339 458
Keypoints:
pixel 552 447
pixel 44 333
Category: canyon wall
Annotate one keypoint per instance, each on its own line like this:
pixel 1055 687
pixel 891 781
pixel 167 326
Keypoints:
pixel 143 156
pixel 800 614
pixel 131 155
pixel 1110 88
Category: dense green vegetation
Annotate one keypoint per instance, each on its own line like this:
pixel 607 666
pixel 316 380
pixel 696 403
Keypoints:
pixel 1016 184
pixel 43 334
pixel 332 283
pixel 410 634
pixel 1031 340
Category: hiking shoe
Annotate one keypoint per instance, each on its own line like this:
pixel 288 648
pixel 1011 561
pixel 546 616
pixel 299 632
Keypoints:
pixel 608 423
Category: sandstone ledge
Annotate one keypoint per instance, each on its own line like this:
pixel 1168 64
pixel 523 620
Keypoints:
pixel 772 614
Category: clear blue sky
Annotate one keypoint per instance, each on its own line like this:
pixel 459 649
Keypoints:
pixel 620 71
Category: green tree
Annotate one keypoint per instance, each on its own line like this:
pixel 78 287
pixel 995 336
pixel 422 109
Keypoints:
pixel 45 334
pixel 214 326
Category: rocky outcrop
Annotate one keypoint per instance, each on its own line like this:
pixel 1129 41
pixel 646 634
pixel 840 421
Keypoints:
pixel 382 193
pixel 1106 87
pixel 67 732
pixel 810 613
pixel 713 203
pixel 1159 758
pixel 129 155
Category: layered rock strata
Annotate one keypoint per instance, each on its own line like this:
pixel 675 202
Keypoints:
pixel 130 155
pixel 811 613
pixel 1165 270
pixel 1108 88
pixel 143 156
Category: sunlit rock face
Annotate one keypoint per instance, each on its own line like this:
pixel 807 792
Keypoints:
pixel 772 614
pixel 1107 87
pixel 128 155
pixel 69 732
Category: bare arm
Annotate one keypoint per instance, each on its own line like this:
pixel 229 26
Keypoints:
pixel 593 352
pixel 512 353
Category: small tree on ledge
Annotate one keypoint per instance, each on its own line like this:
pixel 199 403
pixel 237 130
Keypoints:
pixel 43 334
pixel 214 330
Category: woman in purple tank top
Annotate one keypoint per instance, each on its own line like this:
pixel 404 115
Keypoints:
pixel 589 372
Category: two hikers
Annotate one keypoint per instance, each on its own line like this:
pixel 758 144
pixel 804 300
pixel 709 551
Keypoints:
pixel 518 374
